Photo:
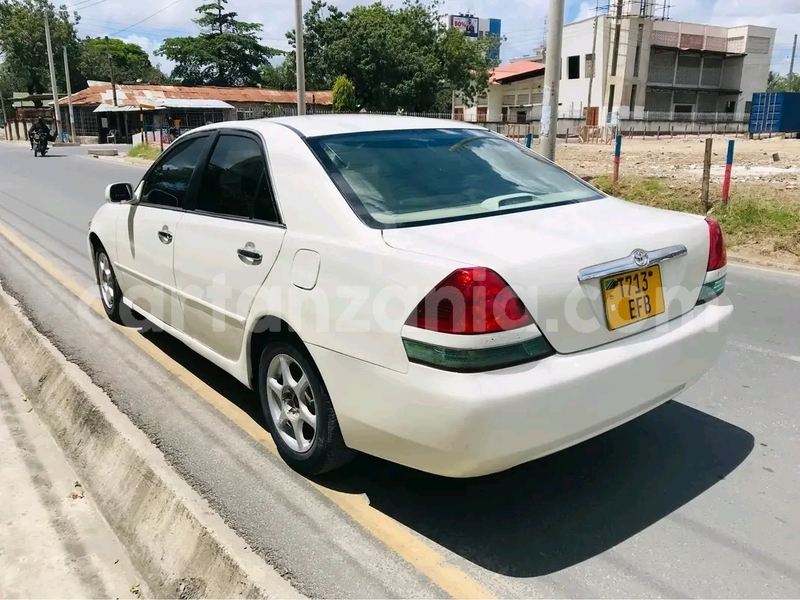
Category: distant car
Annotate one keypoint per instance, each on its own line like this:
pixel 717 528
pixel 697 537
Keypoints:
pixel 424 291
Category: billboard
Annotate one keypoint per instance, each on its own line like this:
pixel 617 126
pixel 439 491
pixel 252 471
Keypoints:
pixel 469 25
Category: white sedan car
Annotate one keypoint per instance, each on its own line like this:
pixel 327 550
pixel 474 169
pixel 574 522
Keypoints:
pixel 424 291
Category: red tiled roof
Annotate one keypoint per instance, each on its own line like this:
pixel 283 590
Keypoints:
pixel 515 69
pixel 131 95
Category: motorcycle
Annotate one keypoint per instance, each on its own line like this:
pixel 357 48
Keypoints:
pixel 39 143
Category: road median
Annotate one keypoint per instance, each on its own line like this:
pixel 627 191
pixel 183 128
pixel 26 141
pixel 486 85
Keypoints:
pixel 176 542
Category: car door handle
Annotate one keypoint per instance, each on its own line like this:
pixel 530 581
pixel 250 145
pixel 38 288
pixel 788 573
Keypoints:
pixel 249 256
pixel 165 235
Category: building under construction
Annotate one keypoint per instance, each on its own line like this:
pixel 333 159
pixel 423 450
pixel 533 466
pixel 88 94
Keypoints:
pixel 631 58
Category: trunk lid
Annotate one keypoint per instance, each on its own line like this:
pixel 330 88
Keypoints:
pixel 540 253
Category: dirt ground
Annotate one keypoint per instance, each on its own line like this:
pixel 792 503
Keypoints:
pixel 771 165
pixel 682 159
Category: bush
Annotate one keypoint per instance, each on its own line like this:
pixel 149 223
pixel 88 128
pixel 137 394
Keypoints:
pixel 344 95
pixel 145 151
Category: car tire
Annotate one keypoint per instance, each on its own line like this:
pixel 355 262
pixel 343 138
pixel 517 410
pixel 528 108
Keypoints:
pixel 111 297
pixel 289 403
pixel 110 292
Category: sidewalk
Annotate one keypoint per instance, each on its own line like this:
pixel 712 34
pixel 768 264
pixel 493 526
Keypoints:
pixel 53 541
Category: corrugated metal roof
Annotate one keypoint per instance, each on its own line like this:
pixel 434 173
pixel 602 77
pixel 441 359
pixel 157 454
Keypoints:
pixel 101 93
pixel 184 103
pixel 108 108
pixel 515 69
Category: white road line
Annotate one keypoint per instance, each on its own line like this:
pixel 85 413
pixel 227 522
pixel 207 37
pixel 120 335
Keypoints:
pixel 765 351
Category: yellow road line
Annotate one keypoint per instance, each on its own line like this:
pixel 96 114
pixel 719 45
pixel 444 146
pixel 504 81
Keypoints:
pixel 452 580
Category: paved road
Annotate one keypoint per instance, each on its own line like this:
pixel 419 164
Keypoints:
pixel 52 199
pixel 696 499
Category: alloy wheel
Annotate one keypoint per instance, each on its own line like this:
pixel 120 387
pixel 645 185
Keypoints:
pixel 291 403
pixel 106 278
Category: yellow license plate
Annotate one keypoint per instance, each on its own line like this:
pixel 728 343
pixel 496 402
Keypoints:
pixel 633 296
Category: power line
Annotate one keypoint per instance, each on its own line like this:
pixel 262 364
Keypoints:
pixel 99 23
pixel 79 4
pixel 170 5
pixel 88 5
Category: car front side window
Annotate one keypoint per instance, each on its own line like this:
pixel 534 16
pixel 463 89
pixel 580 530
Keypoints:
pixel 166 185
pixel 236 182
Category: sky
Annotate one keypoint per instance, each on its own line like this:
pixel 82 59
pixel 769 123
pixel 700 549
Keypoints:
pixel 147 22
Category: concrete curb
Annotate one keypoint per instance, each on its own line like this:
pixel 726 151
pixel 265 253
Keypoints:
pixel 180 547
pixel 123 158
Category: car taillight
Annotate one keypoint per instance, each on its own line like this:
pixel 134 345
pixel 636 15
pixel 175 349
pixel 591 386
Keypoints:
pixel 717 253
pixel 714 284
pixel 471 301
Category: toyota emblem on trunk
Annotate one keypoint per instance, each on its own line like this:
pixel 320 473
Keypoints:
pixel 640 257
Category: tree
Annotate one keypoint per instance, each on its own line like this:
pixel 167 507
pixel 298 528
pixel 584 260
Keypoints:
pixel 344 95
pixel 772 78
pixel 779 83
pixel 9 82
pixel 22 42
pixel 323 24
pixel 395 57
pixel 279 77
pixel 131 62
pixel 226 53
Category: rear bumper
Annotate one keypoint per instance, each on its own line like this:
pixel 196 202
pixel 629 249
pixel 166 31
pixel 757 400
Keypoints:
pixel 466 425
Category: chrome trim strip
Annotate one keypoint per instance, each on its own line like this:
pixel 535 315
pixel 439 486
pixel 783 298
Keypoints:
pixel 622 265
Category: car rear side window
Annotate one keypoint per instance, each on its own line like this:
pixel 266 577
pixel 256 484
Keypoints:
pixel 167 183
pixel 235 182
pixel 411 177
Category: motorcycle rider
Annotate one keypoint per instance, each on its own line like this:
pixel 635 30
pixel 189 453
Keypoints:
pixel 42 128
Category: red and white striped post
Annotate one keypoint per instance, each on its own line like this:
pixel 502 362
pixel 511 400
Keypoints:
pixel 617 153
pixel 726 182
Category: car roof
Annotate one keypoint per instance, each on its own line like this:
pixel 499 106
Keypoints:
pixel 333 124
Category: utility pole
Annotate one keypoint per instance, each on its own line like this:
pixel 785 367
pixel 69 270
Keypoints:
pixel 56 107
pixel 111 72
pixel 594 67
pixel 3 107
pixel 794 51
pixel 69 96
pixel 552 74
pixel 300 57
pixel 614 57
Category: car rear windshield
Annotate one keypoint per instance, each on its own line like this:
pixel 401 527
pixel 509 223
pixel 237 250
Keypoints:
pixel 413 177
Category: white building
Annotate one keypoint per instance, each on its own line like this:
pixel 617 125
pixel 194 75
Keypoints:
pixel 515 95
pixel 665 68
pixel 662 66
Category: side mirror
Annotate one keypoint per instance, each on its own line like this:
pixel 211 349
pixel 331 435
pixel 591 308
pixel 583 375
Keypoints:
pixel 119 192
